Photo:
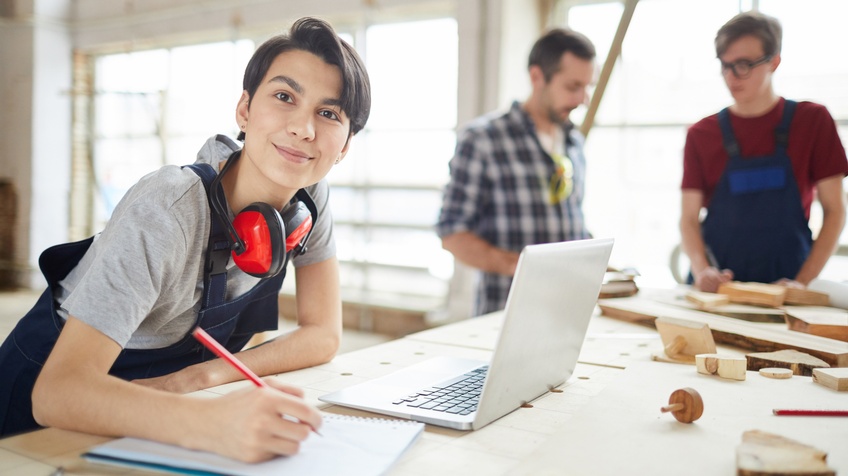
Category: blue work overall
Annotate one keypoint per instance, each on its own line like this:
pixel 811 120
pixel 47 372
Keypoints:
pixel 231 323
pixel 755 224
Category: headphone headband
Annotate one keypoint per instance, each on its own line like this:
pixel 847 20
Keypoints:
pixel 218 201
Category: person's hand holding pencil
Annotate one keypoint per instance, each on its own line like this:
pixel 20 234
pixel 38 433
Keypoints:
pixel 264 438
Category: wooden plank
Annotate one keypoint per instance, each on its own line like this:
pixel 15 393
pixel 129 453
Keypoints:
pixel 757 337
pixel 745 312
pixel 821 321
pixel 799 363
pixel 759 294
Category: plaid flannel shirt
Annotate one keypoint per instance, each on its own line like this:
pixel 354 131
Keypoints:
pixel 498 190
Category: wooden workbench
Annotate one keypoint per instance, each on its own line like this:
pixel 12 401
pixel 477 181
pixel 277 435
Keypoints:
pixel 563 433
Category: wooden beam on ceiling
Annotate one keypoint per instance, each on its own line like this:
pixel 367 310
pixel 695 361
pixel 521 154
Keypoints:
pixel 606 72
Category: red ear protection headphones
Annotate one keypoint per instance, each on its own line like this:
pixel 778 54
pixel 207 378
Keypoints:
pixel 260 237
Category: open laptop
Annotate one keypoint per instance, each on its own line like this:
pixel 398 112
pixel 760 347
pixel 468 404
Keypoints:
pixel 551 300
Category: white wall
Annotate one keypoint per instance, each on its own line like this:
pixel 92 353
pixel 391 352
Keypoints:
pixel 35 125
pixel 520 27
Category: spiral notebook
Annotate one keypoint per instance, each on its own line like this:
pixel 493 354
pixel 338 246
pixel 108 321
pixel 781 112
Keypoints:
pixel 349 445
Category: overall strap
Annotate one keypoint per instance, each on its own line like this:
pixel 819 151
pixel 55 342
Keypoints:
pixel 729 140
pixel 218 250
pixel 781 132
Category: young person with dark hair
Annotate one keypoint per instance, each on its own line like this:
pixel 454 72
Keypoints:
pixel 517 177
pixel 756 167
pixel 108 347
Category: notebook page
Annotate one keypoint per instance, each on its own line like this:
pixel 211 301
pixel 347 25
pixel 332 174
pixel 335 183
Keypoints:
pixel 350 445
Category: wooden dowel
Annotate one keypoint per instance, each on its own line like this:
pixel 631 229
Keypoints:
pixel 673 407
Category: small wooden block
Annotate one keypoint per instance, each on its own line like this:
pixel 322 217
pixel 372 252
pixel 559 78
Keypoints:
pixel 777 373
pixel 764 453
pixel 707 301
pixel 799 362
pixel 723 366
pixel 805 297
pixel 836 379
pixel 683 339
pixel 759 294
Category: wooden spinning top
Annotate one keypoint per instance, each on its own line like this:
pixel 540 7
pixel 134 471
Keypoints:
pixel 685 404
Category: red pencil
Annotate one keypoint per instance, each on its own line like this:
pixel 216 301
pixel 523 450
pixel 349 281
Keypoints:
pixel 225 354
pixel 783 412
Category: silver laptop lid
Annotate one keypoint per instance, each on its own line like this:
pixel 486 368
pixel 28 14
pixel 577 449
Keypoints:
pixel 550 303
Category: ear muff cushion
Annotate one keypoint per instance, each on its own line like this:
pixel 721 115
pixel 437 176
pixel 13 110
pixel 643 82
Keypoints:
pixel 261 228
pixel 298 222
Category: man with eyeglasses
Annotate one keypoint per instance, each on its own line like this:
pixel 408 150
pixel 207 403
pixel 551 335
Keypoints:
pixel 756 166
pixel 517 177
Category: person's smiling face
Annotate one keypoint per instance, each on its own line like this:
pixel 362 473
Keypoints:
pixel 294 128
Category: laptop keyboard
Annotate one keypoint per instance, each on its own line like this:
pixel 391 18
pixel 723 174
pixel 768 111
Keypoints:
pixel 459 397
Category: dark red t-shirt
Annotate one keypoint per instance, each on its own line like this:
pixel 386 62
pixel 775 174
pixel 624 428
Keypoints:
pixel 814 148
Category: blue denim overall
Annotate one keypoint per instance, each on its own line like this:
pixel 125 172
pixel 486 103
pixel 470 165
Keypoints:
pixel 231 323
pixel 755 224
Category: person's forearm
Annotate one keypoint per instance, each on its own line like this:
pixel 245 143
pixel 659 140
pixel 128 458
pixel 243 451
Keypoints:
pixel 693 245
pixel 306 346
pixel 823 247
pixel 479 253
pixel 100 404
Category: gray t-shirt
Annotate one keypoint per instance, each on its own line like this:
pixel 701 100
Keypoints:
pixel 141 282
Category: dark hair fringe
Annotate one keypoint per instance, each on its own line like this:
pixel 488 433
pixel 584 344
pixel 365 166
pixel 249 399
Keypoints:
pixel 752 23
pixel 549 48
pixel 317 37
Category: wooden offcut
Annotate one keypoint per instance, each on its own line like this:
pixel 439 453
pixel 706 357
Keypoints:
pixel 758 294
pixel 682 339
pixel 837 378
pixel 821 321
pixel 762 453
pixel 799 363
pixel 776 373
pixel 724 366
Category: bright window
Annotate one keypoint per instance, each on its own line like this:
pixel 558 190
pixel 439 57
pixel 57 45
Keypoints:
pixel 158 107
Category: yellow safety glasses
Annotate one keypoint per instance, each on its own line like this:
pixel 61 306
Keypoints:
pixel 561 183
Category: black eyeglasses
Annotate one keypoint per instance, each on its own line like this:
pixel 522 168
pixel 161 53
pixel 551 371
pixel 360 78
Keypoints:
pixel 742 68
